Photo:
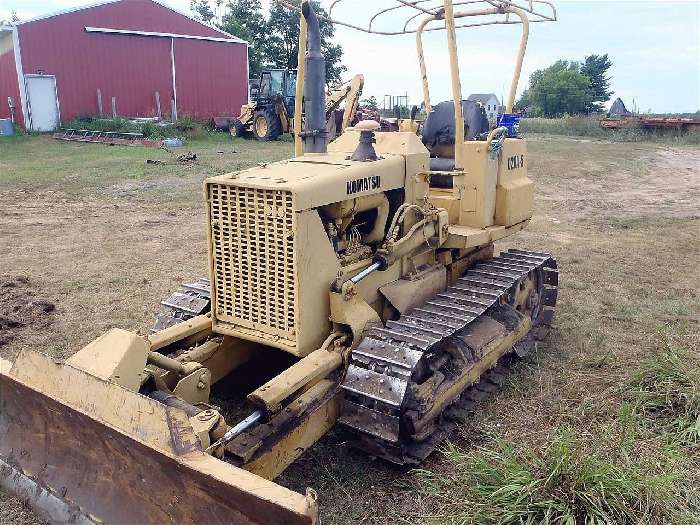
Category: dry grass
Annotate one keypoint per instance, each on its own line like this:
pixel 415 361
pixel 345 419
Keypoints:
pixel 589 126
pixel 103 237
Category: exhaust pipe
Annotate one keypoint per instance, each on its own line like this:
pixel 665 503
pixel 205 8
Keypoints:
pixel 314 134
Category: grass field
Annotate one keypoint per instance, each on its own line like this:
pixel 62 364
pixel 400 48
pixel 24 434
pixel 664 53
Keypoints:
pixel 589 126
pixel 600 425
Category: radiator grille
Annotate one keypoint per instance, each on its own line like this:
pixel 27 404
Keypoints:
pixel 253 251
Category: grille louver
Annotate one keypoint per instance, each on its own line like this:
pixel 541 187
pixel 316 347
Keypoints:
pixel 253 257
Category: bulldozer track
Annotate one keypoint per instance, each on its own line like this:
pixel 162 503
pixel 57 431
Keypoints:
pixel 393 364
pixel 188 301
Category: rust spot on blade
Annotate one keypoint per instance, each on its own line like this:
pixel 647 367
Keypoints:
pixel 183 438
pixel 122 479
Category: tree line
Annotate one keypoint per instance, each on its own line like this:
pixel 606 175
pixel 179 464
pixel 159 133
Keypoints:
pixel 274 41
pixel 568 87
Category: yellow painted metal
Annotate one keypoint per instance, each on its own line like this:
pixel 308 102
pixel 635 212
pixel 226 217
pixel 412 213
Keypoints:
pixel 456 83
pixel 405 294
pixel 221 356
pixel 421 63
pixel 352 100
pixel 195 387
pixel 118 356
pixel 199 327
pixel 464 237
pixel 529 6
pixel 494 350
pixel 307 429
pixel 162 361
pixel 301 374
pixel 408 125
pixel 246 116
pixel 58 424
pixel 272 263
pixel 282 216
pixel 301 72
pixel 515 191
pixel 260 125
pixel 351 311
pixel 520 57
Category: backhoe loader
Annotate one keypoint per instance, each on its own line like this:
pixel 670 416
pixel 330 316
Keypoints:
pixel 270 113
pixel 354 284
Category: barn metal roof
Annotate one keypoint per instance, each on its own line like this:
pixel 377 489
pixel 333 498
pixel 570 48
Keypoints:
pixel 229 37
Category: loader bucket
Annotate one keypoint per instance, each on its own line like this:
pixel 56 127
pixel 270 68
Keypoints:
pixel 79 449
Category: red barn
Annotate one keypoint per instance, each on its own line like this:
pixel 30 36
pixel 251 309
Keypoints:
pixel 132 58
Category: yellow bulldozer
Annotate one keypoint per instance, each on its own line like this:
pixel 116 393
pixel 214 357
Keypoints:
pixel 354 284
pixel 270 112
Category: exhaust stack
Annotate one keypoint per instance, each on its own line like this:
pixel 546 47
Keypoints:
pixel 314 133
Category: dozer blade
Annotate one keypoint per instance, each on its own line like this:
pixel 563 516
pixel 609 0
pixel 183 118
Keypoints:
pixel 81 450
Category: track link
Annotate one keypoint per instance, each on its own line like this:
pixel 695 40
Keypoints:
pixel 188 301
pixel 439 344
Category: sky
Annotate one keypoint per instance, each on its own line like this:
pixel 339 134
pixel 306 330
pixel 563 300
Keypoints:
pixel 654 46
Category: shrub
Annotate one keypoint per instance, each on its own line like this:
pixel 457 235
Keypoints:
pixel 589 126
pixel 184 127
pixel 574 126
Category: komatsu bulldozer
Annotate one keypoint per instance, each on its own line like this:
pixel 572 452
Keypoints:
pixel 354 284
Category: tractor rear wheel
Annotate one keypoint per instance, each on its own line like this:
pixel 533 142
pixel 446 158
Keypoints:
pixel 237 128
pixel 266 124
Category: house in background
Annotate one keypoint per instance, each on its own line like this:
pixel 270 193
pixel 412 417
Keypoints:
pixel 491 104
pixel 133 58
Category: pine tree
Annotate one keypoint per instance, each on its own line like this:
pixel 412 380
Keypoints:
pixel 595 67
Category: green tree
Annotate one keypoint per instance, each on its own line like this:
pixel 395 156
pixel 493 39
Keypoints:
pixel 370 103
pixel 524 102
pixel 244 19
pixel 556 90
pixel 564 91
pixel 596 67
pixel 282 43
pixel 274 42
pixel 202 10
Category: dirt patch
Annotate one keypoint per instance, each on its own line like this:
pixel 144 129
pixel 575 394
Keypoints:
pixel 128 188
pixel 603 182
pixel 20 309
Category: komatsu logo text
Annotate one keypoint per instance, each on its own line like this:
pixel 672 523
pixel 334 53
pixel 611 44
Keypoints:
pixel 363 184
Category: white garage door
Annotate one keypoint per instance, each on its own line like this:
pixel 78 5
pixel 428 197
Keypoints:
pixel 42 102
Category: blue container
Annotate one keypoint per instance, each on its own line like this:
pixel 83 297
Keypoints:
pixel 6 127
pixel 510 121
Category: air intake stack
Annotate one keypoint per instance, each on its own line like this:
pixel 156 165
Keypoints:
pixel 314 133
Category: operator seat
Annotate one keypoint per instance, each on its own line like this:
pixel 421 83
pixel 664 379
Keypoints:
pixel 439 135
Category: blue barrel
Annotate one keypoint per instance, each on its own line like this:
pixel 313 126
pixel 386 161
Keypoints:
pixel 6 127
pixel 510 121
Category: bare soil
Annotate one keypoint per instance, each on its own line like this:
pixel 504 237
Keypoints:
pixel 622 219
pixel 20 309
